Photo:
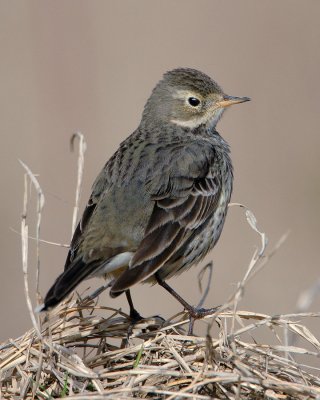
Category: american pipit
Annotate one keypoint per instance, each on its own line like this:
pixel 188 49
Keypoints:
pixel 159 204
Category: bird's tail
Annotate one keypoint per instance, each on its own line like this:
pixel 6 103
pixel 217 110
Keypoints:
pixel 66 283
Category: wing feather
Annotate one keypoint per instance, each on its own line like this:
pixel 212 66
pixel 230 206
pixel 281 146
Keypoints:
pixel 172 223
pixel 98 188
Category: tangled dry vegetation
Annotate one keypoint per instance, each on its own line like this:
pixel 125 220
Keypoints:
pixel 83 350
pixel 85 356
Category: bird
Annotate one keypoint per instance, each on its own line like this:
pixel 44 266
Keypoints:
pixel 160 202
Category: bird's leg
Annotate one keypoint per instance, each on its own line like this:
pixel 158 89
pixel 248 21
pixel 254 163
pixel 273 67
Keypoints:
pixel 194 312
pixel 134 315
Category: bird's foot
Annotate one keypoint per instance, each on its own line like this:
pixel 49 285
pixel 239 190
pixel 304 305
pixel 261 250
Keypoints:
pixel 198 313
pixel 140 326
pixel 135 316
pixel 145 324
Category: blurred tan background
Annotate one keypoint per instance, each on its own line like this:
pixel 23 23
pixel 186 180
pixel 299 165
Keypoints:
pixel 90 66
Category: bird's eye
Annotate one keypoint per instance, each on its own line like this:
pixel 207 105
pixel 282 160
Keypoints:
pixel 193 101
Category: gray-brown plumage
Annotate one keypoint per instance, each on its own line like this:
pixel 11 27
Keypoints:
pixel 159 204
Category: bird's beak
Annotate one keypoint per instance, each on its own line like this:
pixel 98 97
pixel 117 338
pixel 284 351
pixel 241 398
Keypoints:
pixel 230 100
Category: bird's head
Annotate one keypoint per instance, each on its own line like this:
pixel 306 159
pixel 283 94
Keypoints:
pixel 187 98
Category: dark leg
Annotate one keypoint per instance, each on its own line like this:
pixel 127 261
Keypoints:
pixel 194 312
pixel 134 315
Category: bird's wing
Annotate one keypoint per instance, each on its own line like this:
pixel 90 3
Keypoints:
pixel 99 186
pixel 185 195
pixel 76 269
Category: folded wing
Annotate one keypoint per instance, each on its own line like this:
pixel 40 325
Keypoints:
pixel 182 206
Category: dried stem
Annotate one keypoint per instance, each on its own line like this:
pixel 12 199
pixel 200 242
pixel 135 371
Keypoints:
pixel 24 243
pixel 40 204
pixel 82 149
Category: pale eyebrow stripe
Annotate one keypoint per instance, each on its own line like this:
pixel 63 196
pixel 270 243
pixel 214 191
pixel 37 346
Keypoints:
pixel 182 94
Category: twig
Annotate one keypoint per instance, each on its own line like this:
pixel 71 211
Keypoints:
pixel 82 149
pixel 43 240
pixel 24 243
pixel 252 221
pixel 40 204
pixel 208 267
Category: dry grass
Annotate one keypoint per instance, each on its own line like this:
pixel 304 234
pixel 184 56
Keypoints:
pixel 86 351
pixel 83 355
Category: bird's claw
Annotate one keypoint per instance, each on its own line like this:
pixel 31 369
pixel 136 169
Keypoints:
pixel 198 313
